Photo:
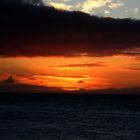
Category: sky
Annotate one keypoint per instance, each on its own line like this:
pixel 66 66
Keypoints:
pixel 107 8
pixel 45 47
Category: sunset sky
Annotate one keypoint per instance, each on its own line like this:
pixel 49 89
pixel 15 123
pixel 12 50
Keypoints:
pixel 42 46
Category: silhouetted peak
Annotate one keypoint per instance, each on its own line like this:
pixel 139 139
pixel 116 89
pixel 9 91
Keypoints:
pixel 9 80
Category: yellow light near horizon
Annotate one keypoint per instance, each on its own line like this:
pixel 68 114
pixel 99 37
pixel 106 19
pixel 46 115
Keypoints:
pixel 72 73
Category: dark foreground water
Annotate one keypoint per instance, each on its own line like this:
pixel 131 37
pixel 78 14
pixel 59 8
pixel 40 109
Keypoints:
pixel 69 117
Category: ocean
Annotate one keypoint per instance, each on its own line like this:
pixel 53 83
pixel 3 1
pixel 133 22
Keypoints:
pixel 69 117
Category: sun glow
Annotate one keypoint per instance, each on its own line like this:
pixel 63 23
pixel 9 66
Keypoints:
pixel 73 73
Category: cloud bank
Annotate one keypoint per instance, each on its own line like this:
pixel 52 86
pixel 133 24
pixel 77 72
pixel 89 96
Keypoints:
pixel 99 64
pixel 28 30
pixel 89 5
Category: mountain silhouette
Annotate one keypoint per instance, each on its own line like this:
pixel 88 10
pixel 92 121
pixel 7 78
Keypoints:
pixel 9 80
pixel 10 85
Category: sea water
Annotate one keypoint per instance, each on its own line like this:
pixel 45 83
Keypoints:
pixel 69 117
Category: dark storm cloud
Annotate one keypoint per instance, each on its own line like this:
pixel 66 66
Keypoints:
pixel 27 30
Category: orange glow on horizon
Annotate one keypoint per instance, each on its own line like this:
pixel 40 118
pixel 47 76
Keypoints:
pixel 74 73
